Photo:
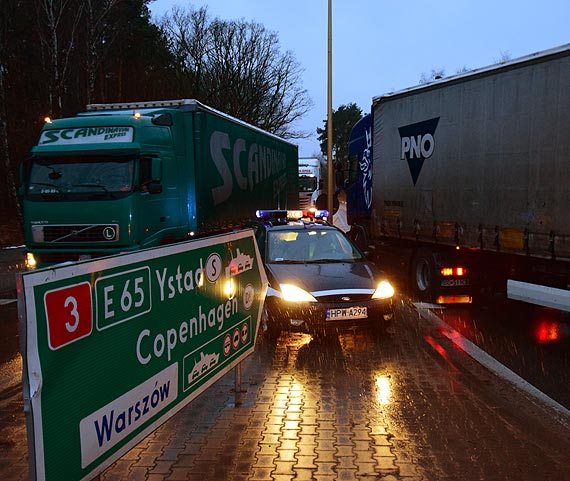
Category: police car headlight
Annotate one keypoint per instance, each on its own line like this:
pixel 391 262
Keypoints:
pixel 293 293
pixel 383 291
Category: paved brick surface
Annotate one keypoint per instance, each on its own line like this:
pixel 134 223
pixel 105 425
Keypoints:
pixel 352 406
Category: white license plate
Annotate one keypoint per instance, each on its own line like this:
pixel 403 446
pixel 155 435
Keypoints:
pixel 347 313
pixel 454 282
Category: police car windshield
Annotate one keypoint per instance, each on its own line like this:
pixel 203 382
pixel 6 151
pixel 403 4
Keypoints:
pixel 310 245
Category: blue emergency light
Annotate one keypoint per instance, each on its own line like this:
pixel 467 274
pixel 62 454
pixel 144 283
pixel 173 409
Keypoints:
pixel 291 214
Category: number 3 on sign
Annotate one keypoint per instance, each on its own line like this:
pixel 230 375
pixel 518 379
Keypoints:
pixel 69 314
pixel 71 301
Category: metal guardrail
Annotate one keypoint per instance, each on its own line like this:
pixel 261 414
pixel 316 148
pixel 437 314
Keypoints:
pixel 540 295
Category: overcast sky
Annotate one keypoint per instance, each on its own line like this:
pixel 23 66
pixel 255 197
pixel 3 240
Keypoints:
pixel 381 46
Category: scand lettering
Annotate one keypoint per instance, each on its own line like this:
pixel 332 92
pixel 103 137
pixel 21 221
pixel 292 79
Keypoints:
pixel 260 163
pixel 86 135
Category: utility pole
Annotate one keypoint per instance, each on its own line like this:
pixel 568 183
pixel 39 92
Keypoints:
pixel 330 179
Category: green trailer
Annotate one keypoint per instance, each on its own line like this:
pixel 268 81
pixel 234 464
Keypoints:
pixel 121 177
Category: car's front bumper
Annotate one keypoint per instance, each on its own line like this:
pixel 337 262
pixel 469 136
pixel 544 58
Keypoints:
pixel 312 316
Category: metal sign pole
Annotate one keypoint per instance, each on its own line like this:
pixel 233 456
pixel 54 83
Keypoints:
pixel 237 387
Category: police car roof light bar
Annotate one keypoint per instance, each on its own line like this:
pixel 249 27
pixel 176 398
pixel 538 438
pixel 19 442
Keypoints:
pixel 271 214
pixel 291 214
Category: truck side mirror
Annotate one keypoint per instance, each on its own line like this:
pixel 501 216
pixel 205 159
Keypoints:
pixel 154 187
pixel 156 167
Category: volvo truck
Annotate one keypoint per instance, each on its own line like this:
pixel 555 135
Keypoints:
pixel 125 176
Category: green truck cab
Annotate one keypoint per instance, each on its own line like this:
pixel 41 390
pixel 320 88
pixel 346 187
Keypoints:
pixel 121 177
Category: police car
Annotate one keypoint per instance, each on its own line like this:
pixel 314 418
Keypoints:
pixel 318 279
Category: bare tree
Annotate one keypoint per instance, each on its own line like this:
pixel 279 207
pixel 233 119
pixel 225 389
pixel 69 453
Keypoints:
pixel 8 187
pixel 59 22
pixel 435 74
pixel 100 32
pixel 189 41
pixel 239 68
pixel 504 57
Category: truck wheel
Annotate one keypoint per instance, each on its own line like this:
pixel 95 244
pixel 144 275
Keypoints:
pixel 422 277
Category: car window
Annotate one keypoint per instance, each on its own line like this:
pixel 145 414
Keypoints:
pixel 310 245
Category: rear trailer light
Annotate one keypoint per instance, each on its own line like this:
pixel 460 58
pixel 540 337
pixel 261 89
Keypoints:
pixel 453 271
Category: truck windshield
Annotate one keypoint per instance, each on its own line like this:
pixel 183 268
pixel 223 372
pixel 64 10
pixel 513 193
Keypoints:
pixel 307 184
pixel 100 176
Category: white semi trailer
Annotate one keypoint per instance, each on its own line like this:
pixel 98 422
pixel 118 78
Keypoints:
pixel 464 182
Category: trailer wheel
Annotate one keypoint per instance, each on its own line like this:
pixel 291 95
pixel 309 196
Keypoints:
pixel 422 277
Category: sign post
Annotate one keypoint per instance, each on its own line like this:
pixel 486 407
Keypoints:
pixel 116 346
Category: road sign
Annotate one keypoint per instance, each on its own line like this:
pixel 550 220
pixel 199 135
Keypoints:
pixel 116 346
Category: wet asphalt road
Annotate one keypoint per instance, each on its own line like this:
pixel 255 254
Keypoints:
pixel 439 413
pixel 532 341
pixel 353 405
pixel 404 406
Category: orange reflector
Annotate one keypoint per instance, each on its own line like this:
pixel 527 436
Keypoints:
pixel 459 299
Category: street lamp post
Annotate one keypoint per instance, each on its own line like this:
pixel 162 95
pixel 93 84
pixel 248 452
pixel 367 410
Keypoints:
pixel 330 178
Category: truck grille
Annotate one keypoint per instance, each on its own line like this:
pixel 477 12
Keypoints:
pixel 304 201
pixel 76 233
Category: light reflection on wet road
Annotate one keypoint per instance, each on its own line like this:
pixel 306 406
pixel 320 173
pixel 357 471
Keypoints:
pixel 406 405
pixel 532 341
pixel 443 415
pixel 406 391
pixel 10 358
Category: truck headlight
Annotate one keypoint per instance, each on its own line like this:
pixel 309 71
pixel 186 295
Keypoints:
pixel 31 262
pixel 293 293
pixel 383 291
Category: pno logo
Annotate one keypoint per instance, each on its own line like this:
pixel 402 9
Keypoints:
pixel 417 144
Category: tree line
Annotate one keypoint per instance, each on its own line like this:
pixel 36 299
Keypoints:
pixel 57 56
